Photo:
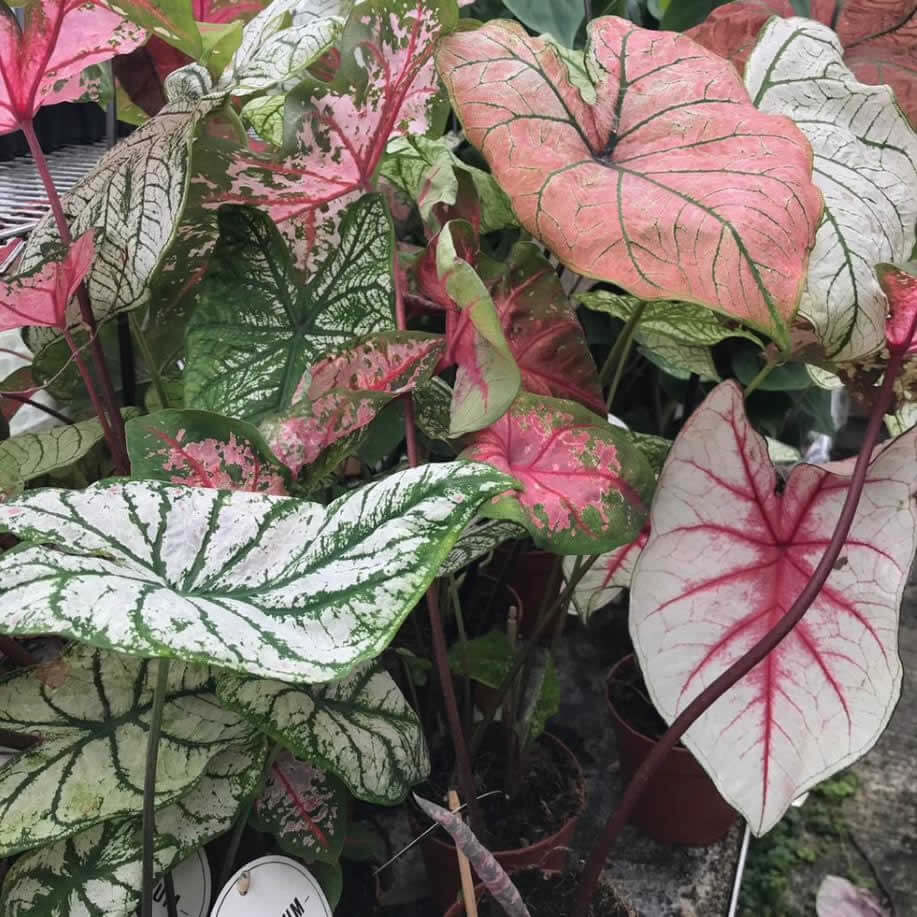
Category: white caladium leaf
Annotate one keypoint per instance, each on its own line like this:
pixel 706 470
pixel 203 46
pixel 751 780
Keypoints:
pixel 270 585
pixel 247 363
pixel 726 558
pixel 279 44
pixel 92 710
pixel 97 873
pixel 360 728
pixel 134 197
pixel 865 165
pixel 478 540
pixel 304 808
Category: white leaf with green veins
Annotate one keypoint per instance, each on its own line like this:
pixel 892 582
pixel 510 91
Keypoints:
pixel 134 197
pixel 478 540
pixel 283 40
pixel 270 585
pixel 360 728
pixel 97 873
pixel 92 711
pixel 865 166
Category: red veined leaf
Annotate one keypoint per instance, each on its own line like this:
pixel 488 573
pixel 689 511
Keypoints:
pixel 40 297
pixel 203 450
pixel 726 558
pixel 60 39
pixel 347 390
pixel 585 486
pixel 879 38
pixel 900 286
pixel 387 54
pixel 226 10
pixel 672 184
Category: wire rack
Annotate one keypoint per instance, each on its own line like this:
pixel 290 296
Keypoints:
pixel 23 201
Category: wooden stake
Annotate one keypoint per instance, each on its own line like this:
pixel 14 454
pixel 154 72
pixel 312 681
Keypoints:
pixel 471 903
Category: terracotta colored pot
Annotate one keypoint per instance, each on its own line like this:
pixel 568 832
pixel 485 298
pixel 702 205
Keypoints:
pixel 550 853
pixel 680 804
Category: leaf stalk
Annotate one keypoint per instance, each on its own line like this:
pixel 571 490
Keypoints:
pixel 149 786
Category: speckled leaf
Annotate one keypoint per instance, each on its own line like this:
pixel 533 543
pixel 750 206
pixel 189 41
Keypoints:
pixel 92 710
pixel 226 10
pixel 726 558
pixel 281 42
pixel 305 809
pixel 97 873
pixel 247 362
pixel 134 197
pixel 385 88
pixel 432 403
pixel 360 728
pixel 585 487
pixel 170 20
pixel 480 539
pixel 345 391
pixel 203 450
pixel 270 585
pixel 733 208
pixel 679 332
pixel 865 165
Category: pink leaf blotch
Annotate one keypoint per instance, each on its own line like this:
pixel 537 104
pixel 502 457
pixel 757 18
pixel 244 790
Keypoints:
pixel 39 65
pixel 726 558
pixel 672 185
pixel 900 286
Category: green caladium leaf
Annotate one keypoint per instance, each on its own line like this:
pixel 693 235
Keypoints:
pixel 270 585
pixel 304 808
pixel 427 170
pixel 134 198
pixel 32 455
pixel 203 450
pixel 681 333
pixel 247 362
pixel 264 115
pixel 92 710
pixel 170 20
pixel 560 18
pixel 360 728
pixel 97 873
pixel 478 540
pixel 330 877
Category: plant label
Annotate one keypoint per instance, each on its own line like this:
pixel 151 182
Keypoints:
pixel 191 879
pixel 272 886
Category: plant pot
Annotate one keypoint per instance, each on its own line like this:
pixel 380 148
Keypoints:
pixel 548 853
pixel 681 804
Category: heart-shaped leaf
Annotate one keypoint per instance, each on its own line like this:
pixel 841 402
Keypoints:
pixel 304 808
pixel 360 728
pixel 42 63
pixel 269 585
pixel 97 873
pixel 203 450
pixel 91 710
pixel 732 217
pixel 866 166
pixel 585 487
pixel 478 540
pixel 385 87
pixel 726 558
pixel 247 362
pixel 170 20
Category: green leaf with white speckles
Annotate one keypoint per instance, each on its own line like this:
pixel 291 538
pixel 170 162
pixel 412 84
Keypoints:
pixel 171 20
pixel 360 728
pixel 246 363
pixel 274 586
pixel 97 873
pixel 92 711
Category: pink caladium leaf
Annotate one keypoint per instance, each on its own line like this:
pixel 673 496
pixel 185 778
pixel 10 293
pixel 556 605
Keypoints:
pixel 40 296
pixel 345 391
pixel 386 87
pixel 900 286
pixel 726 558
pixel 40 64
pixel 585 488
pixel 837 897
pixel 879 39
pixel 226 10
pixel 203 450
pixel 704 199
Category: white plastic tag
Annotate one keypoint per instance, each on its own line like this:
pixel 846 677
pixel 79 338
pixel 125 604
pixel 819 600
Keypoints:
pixel 272 886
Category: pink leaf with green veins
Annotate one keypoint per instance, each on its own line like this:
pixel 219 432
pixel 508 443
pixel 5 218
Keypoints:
pixel 344 132
pixel 672 184
pixel 726 558
pixel 585 486
pixel 900 286
pixel 40 297
pixel 39 65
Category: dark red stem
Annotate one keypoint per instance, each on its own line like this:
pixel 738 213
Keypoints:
pixel 741 667
pixel 24 399
pixel 17 654
pixel 115 424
